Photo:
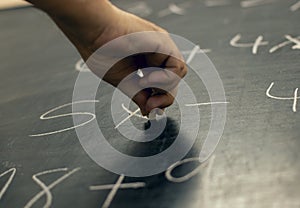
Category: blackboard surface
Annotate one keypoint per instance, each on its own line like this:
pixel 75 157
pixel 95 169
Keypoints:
pixel 256 163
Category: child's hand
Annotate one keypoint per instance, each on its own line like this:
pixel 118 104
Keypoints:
pixel 170 65
pixel 91 24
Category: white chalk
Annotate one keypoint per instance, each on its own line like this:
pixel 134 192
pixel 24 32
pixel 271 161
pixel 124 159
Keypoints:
pixel 8 182
pixel 295 6
pixel 140 73
pixel 46 188
pixel 46 116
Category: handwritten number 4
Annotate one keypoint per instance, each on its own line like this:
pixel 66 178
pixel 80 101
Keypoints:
pixel 259 42
pixel 294 98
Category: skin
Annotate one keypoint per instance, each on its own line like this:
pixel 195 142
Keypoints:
pixel 89 24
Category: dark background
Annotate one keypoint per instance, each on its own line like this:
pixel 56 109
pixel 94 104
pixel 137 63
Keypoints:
pixel 256 163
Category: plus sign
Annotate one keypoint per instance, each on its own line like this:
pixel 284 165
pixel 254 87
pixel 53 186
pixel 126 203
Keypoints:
pixel 114 189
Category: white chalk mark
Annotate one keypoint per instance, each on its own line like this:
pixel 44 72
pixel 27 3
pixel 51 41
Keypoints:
pixel 215 3
pixel 281 45
pixel 296 47
pixel 46 189
pixel 81 66
pixel 122 186
pixel 140 8
pixel 235 39
pixel 45 117
pixel 209 103
pixel 253 3
pixel 295 6
pixel 275 97
pixel 178 9
pixel 295 100
pixel 115 187
pixel 294 40
pixel 130 112
pixel 205 50
pixel 192 54
pixel 8 182
pixel 135 113
pixel 168 173
pixel 258 42
pixel 128 117
pixel 113 192
pixel 140 73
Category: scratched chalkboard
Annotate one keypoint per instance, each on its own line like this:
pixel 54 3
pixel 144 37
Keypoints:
pixel 254 45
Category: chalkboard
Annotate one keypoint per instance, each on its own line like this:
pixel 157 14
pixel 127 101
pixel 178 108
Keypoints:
pixel 254 45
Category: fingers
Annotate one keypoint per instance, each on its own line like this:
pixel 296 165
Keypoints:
pixel 171 61
pixel 160 101
pixel 147 101
pixel 167 74
pixel 170 69
pixel 141 99
pixel 166 77
pixel 160 78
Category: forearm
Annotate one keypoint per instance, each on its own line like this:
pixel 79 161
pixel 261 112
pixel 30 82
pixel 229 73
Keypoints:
pixel 81 20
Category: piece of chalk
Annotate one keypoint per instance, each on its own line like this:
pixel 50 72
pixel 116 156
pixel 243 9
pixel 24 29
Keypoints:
pixel 152 115
pixel 140 73
pixel 156 114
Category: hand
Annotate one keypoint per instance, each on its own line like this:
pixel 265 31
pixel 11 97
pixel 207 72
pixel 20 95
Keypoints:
pixel 91 24
pixel 170 65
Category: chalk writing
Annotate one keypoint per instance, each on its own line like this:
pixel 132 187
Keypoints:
pixel 201 50
pixel 168 173
pixel 253 3
pixel 128 117
pixel 170 177
pixel 135 113
pixel 179 9
pixel 81 66
pixel 295 6
pixel 215 3
pixel 140 8
pixel 209 103
pixel 8 182
pixel 258 42
pixel 46 190
pixel 192 54
pixel 294 98
pixel 294 40
pixel 283 44
pixel 115 187
pixel 45 117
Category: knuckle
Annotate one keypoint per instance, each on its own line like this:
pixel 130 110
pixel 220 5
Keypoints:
pixel 183 70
